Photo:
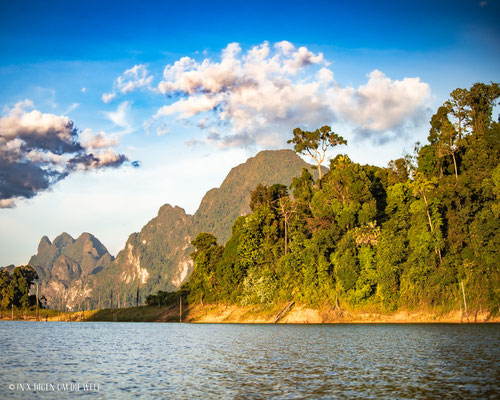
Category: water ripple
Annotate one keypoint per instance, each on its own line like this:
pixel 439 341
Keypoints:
pixel 183 361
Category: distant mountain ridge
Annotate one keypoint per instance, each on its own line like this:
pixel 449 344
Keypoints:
pixel 158 257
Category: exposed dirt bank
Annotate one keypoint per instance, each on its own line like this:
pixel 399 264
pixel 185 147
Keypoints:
pixel 299 314
pixel 288 313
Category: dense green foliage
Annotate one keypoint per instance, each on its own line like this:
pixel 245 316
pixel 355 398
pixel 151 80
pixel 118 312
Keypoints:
pixel 403 237
pixel 15 287
pixel 220 207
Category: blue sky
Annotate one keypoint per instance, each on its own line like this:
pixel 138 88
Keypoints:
pixel 374 72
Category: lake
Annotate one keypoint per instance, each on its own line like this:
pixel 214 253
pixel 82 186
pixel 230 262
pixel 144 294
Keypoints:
pixel 240 361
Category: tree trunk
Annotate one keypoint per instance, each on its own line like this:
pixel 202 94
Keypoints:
pixel 437 250
pixel 465 302
pixel 455 163
pixel 286 237
pixel 427 209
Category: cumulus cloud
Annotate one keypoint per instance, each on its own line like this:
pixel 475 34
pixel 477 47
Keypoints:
pixel 257 97
pixel 37 150
pixel 381 104
pixel 134 78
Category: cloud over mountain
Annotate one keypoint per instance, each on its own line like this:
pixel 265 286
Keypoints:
pixel 37 150
pixel 259 96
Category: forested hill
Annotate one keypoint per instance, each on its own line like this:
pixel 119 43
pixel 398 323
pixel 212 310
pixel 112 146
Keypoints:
pixel 157 257
pixel 221 206
pixel 422 233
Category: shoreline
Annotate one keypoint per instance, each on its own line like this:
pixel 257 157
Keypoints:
pixel 283 313
pixel 300 314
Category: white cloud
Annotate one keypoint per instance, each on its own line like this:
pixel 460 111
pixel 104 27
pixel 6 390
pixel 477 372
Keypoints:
pixel 256 93
pixel 107 97
pixel 202 123
pixel 146 125
pixel 285 47
pixel 134 78
pixel 84 90
pixel 257 97
pixel 381 104
pixel 120 117
pixel 191 106
pixel 71 108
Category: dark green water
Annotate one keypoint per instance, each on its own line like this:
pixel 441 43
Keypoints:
pixel 145 360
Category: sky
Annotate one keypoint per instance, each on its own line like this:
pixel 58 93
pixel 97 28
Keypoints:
pixel 109 110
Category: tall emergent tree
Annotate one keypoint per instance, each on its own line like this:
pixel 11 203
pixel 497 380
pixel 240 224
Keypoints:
pixel 316 143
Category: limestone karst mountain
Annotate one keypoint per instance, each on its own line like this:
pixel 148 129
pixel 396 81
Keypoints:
pixel 157 257
pixel 65 266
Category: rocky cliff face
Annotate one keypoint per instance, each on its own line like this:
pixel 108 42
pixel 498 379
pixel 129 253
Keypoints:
pixel 157 257
pixel 66 265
